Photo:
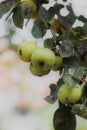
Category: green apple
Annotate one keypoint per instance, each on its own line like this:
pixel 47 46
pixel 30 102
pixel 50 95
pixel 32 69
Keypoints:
pixel 38 72
pixel 67 94
pixel 43 58
pixel 32 5
pixel 75 93
pixel 26 49
pixel 58 63
pixel 63 94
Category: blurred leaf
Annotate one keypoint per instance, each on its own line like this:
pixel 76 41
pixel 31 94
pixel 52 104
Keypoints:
pixel 82 18
pixel 68 20
pixel 84 95
pixel 80 110
pixel 81 32
pixel 28 12
pixel 64 119
pixel 41 1
pixel 53 94
pixel 85 28
pixel 57 8
pixel 18 17
pixel 49 43
pixel 6 6
pixel 69 78
pixel 46 14
pixel 74 74
pixel 60 82
pixel 66 49
pixel 39 29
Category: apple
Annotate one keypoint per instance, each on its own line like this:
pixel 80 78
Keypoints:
pixel 26 49
pixel 67 94
pixel 75 93
pixel 38 72
pixel 58 63
pixel 43 58
pixel 63 94
pixel 32 5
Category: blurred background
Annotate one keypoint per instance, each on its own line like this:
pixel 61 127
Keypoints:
pixel 22 104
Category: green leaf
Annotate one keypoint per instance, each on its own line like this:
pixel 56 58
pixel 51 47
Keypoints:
pixel 41 1
pixel 73 75
pixel 6 6
pixel 80 110
pixel 79 72
pixel 57 8
pixel 39 29
pixel 28 12
pixel 53 94
pixel 18 17
pixel 64 119
pixel 82 18
pixel 84 95
pixel 60 82
pixel 68 20
pixel 81 32
pixel 49 43
pixel 47 15
pixel 68 77
pixel 66 49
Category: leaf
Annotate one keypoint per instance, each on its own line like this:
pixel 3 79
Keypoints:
pixel 81 32
pixel 53 94
pixel 74 74
pixel 66 49
pixel 68 20
pixel 41 1
pixel 28 12
pixel 69 78
pixel 79 72
pixel 82 18
pixel 84 95
pixel 80 110
pixel 64 119
pixel 47 15
pixel 49 43
pixel 18 17
pixel 60 82
pixel 39 29
pixel 57 8
pixel 6 6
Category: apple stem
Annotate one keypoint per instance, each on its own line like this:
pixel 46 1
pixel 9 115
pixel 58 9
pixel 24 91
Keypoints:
pixel 54 37
pixel 27 22
pixel 84 103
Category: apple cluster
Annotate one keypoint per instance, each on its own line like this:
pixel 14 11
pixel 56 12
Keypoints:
pixel 42 60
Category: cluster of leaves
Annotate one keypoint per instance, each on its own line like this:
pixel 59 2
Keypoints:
pixel 67 42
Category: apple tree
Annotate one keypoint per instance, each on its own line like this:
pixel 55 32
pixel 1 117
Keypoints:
pixel 65 52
